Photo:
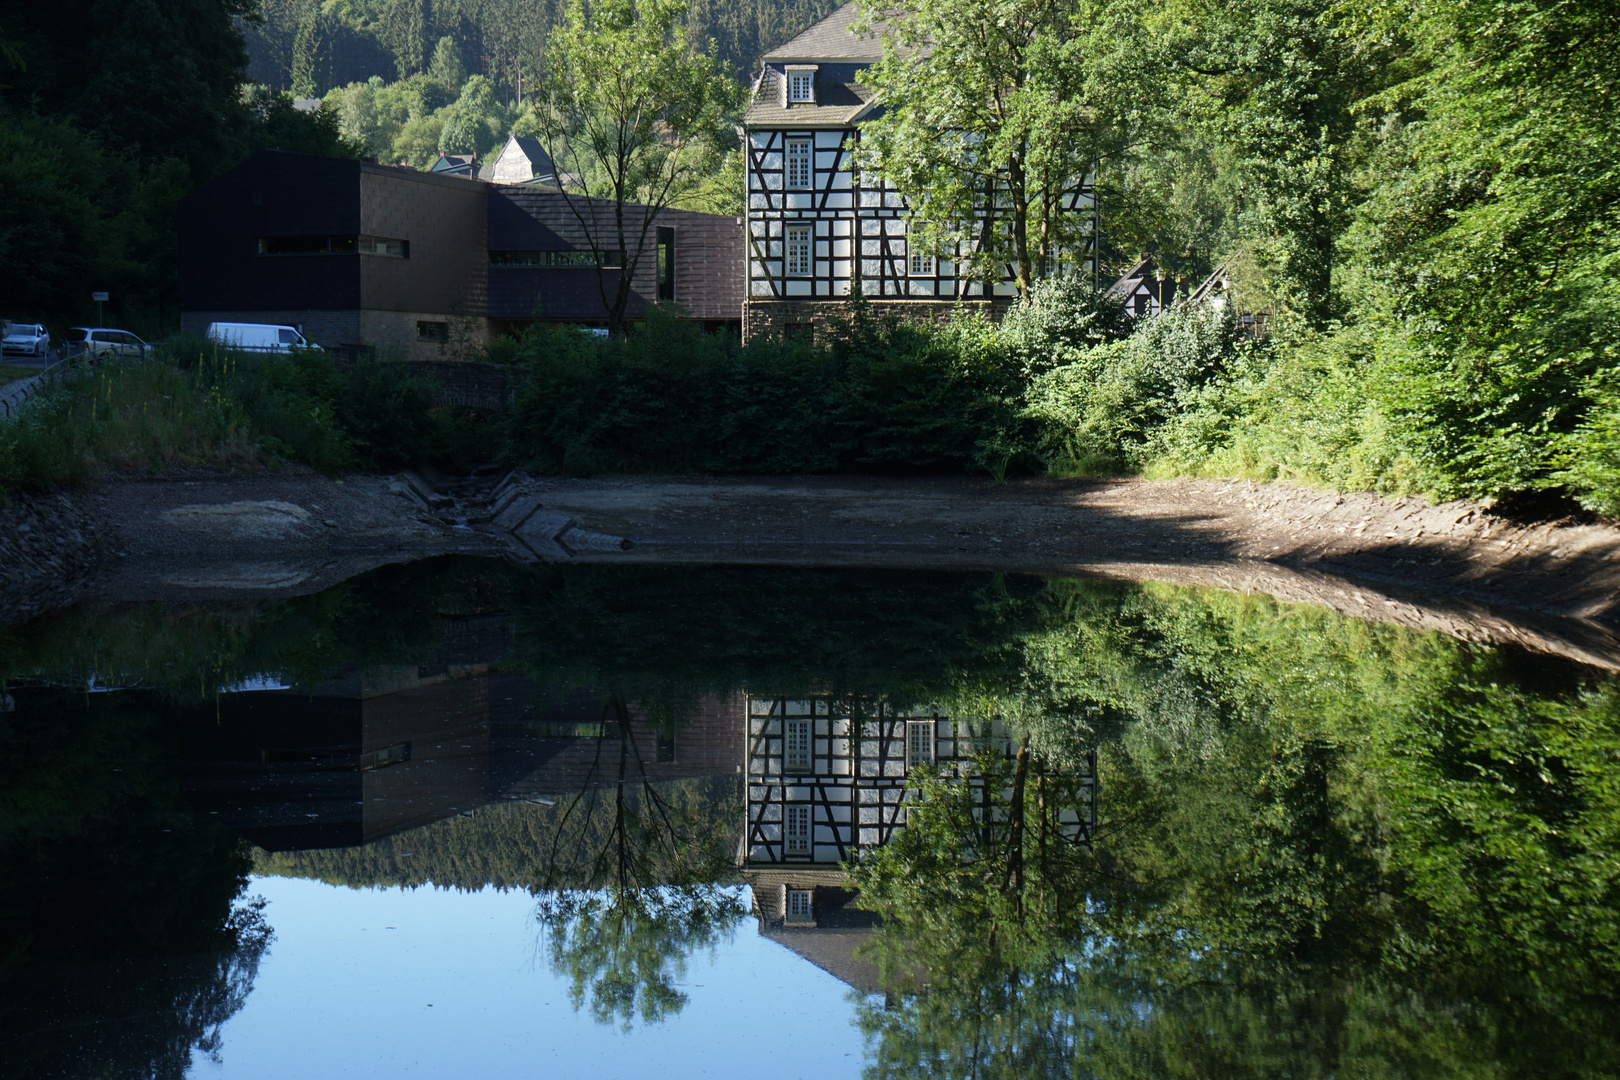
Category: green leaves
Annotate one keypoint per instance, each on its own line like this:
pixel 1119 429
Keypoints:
pixel 998 110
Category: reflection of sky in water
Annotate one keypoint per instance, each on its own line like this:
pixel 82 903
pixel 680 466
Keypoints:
pixel 460 987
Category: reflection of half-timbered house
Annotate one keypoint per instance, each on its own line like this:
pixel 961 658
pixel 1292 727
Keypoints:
pixel 828 776
pixel 817 225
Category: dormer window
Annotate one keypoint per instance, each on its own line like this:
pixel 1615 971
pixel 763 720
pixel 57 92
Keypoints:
pixel 801 85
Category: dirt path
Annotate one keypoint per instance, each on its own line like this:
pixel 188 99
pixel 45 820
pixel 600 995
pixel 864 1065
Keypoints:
pixel 1452 567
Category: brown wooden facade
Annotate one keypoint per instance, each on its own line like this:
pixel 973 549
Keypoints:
pixel 428 265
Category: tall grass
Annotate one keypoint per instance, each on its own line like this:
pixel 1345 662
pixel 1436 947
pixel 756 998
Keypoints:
pixel 196 404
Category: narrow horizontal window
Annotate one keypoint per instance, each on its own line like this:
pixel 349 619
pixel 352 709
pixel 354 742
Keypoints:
pixel 333 245
pixel 433 331
pixel 556 258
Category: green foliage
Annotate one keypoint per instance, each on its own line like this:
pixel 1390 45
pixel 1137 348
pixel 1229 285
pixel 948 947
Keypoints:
pixel 1031 95
pixel 628 97
pixel 203 405
pixel 628 949
pixel 1323 847
pixel 1106 407
pixel 882 393
pixel 175 956
pixel 504 39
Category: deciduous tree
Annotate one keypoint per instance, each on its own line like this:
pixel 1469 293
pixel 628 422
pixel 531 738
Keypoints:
pixel 627 96
pixel 993 114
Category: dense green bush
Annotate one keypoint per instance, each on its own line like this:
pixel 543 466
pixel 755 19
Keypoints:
pixel 199 404
pixel 879 393
pixel 1106 408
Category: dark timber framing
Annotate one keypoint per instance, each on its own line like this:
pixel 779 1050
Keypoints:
pixel 857 223
pixel 854 777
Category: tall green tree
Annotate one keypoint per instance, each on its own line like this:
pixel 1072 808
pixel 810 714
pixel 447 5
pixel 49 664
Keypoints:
pixel 305 46
pixel 994 112
pixel 629 98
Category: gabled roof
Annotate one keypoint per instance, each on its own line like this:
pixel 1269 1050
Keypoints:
pixel 838 104
pixel 536 154
pixel 833 38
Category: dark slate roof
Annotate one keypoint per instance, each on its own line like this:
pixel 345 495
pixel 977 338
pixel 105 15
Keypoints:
pixel 840 104
pixel 831 39
pixel 1133 279
pixel 536 154
pixel 833 951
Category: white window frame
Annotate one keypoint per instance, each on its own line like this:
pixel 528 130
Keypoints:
pixel 920 263
pixel 801 904
pixel 798 164
pixel 919 743
pixel 801 86
pixel 796 745
pixel 796 829
pixel 797 243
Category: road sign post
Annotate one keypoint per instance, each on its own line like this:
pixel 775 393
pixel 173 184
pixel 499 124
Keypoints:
pixel 100 298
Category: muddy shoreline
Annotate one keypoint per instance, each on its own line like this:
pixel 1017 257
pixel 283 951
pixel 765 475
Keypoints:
pixel 1455 567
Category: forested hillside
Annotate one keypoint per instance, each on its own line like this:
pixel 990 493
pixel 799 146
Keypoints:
pixel 109 113
pixel 310 47
pixel 514 845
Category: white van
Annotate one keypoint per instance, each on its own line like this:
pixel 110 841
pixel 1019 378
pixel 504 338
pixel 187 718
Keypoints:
pixel 258 337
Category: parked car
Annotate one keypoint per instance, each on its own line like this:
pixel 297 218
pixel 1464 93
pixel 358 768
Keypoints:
pixel 259 337
pixel 100 341
pixel 26 339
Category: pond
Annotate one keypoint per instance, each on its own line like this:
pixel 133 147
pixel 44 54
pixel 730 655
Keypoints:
pixel 459 818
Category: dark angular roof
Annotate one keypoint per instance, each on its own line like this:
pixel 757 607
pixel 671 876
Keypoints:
pixel 536 154
pixel 839 104
pixel 831 39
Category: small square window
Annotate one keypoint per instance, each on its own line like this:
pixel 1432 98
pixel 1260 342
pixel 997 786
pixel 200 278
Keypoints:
pixel 796 740
pixel 799 905
pixel 801 86
pixel 921 264
pixel 796 829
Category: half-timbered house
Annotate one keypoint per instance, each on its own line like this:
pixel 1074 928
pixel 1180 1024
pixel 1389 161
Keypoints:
pixel 816 225
pixel 829 776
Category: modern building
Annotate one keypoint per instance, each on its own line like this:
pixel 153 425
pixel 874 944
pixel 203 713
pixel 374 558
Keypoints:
pixel 817 226
pixel 426 264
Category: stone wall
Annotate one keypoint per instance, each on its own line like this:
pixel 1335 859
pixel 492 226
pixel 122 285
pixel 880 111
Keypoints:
pixel 778 318
pixel 48 547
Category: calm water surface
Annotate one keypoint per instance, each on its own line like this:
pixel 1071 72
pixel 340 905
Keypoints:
pixel 461 819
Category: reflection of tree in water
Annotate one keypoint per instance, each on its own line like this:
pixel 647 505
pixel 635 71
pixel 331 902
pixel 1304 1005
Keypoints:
pixel 134 1016
pixel 1421 884
pixel 124 939
pixel 630 887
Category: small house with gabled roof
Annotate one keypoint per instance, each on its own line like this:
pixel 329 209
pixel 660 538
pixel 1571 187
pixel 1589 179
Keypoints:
pixel 523 161
pixel 1144 291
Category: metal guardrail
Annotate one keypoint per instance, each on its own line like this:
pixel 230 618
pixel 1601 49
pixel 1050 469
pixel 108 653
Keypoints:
pixel 14 395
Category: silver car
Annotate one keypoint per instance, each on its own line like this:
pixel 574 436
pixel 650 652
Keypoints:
pixel 99 341
pixel 26 339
